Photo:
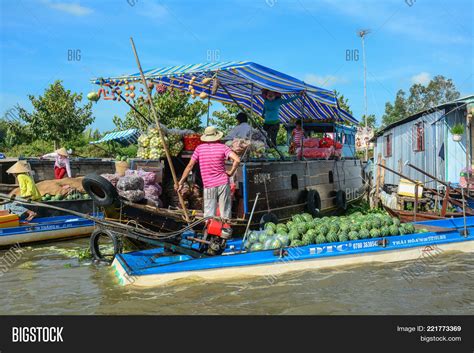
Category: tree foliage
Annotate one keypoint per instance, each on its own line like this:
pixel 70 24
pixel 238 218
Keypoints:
pixel 175 110
pixel 225 119
pixel 57 115
pixel 343 102
pixel 438 91
pixel 371 121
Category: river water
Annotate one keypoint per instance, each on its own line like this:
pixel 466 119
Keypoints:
pixel 49 279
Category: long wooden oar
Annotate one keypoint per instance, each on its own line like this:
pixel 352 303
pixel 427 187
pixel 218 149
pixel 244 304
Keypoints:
pixel 160 131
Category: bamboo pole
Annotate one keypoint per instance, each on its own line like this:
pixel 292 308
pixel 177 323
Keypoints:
pixel 158 126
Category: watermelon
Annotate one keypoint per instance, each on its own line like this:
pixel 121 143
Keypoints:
pixel 320 239
pixel 343 237
pixel 393 230
pixel 402 230
pixel 294 235
pixel 353 235
pixel 270 232
pixel 262 237
pixel 375 233
pixel 366 226
pixel 387 221
pixel 385 232
pixel 298 218
pixel 376 223
pixel 364 234
pixel 268 243
pixel 253 237
pixel 312 232
pixel 276 244
pixel 334 228
pixel 301 227
pixel 396 221
pixel 284 239
pixel 355 227
pixel 409 228
pixel 307 239
pixel 289 224
pixel 270 225
pixel 423 230
pixel 256 247
pixel 296 242
pixel 307 217
pixel 323 229
pixel 247 244
pixel 344 227
pixel 281 227
pixel 332 237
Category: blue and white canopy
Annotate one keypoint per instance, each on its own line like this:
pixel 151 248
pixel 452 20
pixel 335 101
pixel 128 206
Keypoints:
pixel 126 136
pixel 244 82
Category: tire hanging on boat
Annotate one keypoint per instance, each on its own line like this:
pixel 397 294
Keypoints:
pixel 314 203
pixel 101 191
pixel 341 200
pixel 95 245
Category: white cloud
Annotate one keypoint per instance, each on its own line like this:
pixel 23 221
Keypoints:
pixel 324 81
pixel 422 78
pixel 153 10
pixel 70 8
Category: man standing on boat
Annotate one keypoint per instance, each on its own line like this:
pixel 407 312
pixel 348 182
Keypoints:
pixel 211 156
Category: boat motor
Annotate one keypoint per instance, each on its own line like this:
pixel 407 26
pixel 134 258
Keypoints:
pixel 215 235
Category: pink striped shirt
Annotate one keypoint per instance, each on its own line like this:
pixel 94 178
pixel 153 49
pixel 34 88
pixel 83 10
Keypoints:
pixel 211 158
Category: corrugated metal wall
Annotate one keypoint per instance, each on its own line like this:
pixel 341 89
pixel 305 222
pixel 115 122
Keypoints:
pixel 437 138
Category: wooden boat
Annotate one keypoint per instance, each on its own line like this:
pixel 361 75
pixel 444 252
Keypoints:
pixel 156 267
pixel 408 216
pixel 46 229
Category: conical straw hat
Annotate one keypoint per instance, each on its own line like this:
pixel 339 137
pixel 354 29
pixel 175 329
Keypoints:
pixel 62 151
pixel 19 167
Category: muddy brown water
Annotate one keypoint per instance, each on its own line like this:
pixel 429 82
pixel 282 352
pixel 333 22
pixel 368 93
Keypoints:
pixel 49 279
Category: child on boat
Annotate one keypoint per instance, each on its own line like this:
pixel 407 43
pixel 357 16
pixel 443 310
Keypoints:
pixel 61 164
pixel 28 190
pixel 297 136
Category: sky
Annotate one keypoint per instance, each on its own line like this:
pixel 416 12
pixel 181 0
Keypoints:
pixel 410 41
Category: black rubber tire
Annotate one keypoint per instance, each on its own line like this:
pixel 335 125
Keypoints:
pixel 314 203
pixel 101 191
pixel 94 244
pixel 268 217
pixel 341 200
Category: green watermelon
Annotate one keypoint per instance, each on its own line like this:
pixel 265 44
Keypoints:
pixel 298 218
pixel 315 223
pixel 366 225
pixel 307 239
pixel 320 239
pixel 312 232
pixel 344 227
pixel 270 225
pixel 323 229
pixel 375 233
pixel 281 227
pixel 307 217
pixel 289 224
pixel 393 230
pixel 262 237
pixel 284 239
pixel 270 232
pixel 302 228
pixel 387 221
pixel 268 243
pixel 343 237
pixel 402 230
pixel 385 232
pixel 334 228
pixel 396 221
pixel 353 235
pixel 409 228
pixel 256 247
pixel 376 223
pixel 364 234
pixel 296 242
pixel 332 237
pixel 294 235
pixel 276 244
pixel 253 237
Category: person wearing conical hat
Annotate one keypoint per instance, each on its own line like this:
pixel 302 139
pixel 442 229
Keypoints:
pixel 62 166
pixel 28 189
pixel 211 156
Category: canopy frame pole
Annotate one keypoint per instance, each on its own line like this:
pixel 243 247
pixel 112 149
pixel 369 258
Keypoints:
pixel 208 108
pixel 302 122
pixel 270 143
pixel 160 131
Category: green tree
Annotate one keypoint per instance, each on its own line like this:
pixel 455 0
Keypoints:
pixel 343 102
pixel 371 121
pixel 56 115
pixel 174 108
pixel 396 111
pixel 225 119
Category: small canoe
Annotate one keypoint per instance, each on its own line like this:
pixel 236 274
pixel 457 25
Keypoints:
pixel 46 229
pixel 408 216
pixel 154 267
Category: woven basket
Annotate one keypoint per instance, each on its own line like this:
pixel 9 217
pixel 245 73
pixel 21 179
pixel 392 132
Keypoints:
pixel 121 168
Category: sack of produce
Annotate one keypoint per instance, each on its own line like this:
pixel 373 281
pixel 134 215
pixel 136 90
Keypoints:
pixel 152 192
pixel 311 142
pixel 131 182
pixel 148 177
pixel 112 178
pixel 239 146
pixel 132 195
pixel 326 142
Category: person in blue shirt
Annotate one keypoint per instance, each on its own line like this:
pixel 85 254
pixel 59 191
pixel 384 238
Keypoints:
pixel 271 110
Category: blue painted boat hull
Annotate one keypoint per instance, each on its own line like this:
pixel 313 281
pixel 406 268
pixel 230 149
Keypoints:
pixel 46 229
pixel 150 267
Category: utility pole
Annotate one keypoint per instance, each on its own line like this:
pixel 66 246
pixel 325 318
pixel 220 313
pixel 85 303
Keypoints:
pixel 362 33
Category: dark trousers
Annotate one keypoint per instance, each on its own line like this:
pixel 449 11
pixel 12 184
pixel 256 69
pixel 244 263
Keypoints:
pixel 272 132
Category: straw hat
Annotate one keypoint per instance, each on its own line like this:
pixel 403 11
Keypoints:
pixel 62 152
pixel 19 167
pixel 211 134
pixel 266 91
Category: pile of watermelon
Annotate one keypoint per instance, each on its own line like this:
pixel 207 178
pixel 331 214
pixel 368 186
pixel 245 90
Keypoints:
pixel 303 230
pixel 69 197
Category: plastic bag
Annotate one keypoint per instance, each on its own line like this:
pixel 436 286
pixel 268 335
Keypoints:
pixel 152 192
pixel 311 142
pixel 149 178
pixel 132 195
pixel 130 182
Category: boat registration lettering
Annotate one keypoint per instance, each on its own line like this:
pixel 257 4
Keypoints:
pixel 260 178
pixel 328 248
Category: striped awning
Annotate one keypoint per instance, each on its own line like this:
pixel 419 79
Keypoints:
pixel 125 136
pixel 244 81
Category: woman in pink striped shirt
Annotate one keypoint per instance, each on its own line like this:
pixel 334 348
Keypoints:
pixel 211 156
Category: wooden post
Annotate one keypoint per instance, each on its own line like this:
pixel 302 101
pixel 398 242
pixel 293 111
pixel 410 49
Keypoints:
pixel 162 136
pixel 415 206
pixel 377 180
